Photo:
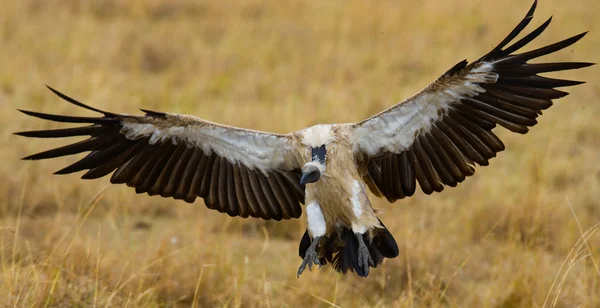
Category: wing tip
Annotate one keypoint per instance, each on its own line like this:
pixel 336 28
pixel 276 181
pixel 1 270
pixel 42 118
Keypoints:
pixel 27 112
pixel 32 157
pixel 512 35
pixel 546 23
pixel 580 35
pixel 76 102
pixel 60 172
pixel 531 9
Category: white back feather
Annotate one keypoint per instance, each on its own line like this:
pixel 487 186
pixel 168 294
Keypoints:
pixel 318 135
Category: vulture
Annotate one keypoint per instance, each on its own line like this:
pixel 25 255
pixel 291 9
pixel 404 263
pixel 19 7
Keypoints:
pixel 431 140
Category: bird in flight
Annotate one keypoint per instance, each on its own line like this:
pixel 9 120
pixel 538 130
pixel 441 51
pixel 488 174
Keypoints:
pixel 435 139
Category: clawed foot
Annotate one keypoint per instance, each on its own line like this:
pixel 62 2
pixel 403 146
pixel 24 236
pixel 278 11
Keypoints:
pixel 310 258
pixel 364 257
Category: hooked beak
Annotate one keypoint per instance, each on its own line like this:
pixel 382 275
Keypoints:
pixel 304 179
pixel 310 177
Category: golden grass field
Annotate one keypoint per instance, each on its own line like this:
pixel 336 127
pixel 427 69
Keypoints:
pixel 506 237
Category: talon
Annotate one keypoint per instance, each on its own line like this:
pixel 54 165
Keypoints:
pixel 364 257
pixel 360 261
pixel 310 257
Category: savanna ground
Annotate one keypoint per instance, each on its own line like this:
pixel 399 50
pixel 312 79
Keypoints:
pixel 506 237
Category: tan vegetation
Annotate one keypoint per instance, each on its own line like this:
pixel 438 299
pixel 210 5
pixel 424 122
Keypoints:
pixel 507 237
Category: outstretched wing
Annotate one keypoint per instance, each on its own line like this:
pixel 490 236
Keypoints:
pixel 237 171
pixel 436 137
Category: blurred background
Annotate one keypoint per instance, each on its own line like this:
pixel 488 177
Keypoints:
pixel 506 237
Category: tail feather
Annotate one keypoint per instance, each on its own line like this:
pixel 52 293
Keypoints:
pixel 304 244
pixel 385 243
pixel 350 251
pixel 376 255
pixel 342 250
pixel 342 260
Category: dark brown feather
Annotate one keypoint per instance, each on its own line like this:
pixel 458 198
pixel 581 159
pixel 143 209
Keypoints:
pixel 207 176
pixel 407 174
pixel 197 175
pixel 445 159
pixel 527 91
pixel 212 202
pixel 499 113
pixel 460 143
pixel 426 167
pixel 98 157
pixel 294 180
pixel 282 203
pixel 253 203
pixel 488 146
pixel 453 152
pixel 253 178
pixel 289 194
pixel 166 169
pixel 474 116
pixel 522 24
pixel 473 141
pixel 437 163
pixel 112 164
pixel 395 181
pixel 374 172
pixel 245 209
pixel 177 174
pixel 189 171
pixel 233 209
pixel 92 130
pixel 425 187
pixel 151 169
pixel 386 174
pixel 70 119
pixel 272 202
pixel 91 144
pixel 517 128
pixel 526 39
pixel 537 82
pixel 507 106
pixel 537 68
pixel 125 171
pixel 520 100
pixel 79 104
pixel 526 56
pixel 223 204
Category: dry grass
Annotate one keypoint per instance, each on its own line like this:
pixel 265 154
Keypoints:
pixel 498 240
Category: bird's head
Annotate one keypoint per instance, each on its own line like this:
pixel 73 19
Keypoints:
pixel 312 171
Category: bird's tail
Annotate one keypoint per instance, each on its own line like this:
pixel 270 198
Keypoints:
pixel 341 250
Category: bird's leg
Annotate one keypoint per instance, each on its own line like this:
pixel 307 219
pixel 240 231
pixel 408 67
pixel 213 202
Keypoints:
pixel 364 257
pixel 310 257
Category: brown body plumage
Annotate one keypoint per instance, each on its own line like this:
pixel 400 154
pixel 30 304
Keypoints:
pixel 336 188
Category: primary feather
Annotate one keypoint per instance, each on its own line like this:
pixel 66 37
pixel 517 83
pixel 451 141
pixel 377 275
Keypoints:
pixel 437 136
